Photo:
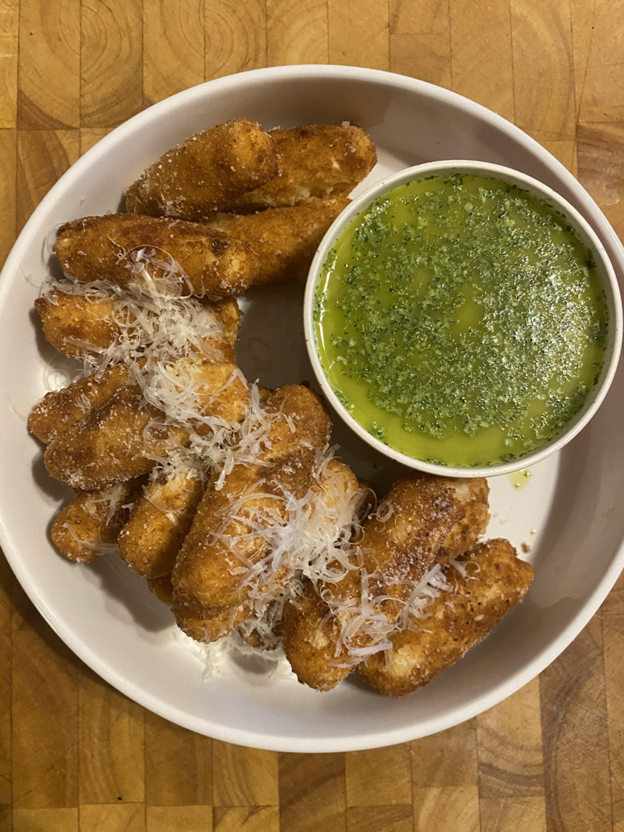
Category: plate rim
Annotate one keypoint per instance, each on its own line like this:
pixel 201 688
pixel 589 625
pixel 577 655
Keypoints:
pixel 204 725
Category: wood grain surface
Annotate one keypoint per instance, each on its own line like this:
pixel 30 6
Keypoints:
pixel 77 755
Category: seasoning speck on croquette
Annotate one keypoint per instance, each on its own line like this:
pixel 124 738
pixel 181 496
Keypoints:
pixel 321 160
pixel 492 580
pixel 117 247
pixel 206 172
pixel 285 239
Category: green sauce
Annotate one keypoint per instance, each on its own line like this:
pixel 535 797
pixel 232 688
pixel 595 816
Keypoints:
pixel 461 320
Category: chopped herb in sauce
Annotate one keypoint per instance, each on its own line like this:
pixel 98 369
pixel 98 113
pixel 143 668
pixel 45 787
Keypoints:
pixel 461 320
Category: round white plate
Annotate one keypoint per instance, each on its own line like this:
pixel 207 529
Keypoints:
pixel 571 513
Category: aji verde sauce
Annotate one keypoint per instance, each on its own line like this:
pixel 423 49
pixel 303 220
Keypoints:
pixel 461 320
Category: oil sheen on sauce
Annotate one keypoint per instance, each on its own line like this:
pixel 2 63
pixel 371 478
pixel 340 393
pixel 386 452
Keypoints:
pixel 460 320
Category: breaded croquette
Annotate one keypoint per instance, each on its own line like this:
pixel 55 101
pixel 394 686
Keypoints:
pixel 60 409
pixel 208 626
pixel 122 439
pixel 206 172
pixel 192 623
pixel 162 589
pixel 75 324
pixel 324 635
pixel 322 160
pixel 160 520
pixel 473 495
pixel 285 239
pixel 120 247
pixel 226 538
pixel 92 521
pixel 491 581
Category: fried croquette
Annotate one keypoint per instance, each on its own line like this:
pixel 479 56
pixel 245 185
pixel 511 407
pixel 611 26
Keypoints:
pixel 92 521
pixel 492 580
pixel 123 438
pixel 205 173
pixel 151 539
pixel 322 160
pixel 225 540
pixel 60 409
pixel 324 633
pixel 264 633
pixel 285 239
pixel 75 324
pixel 121 248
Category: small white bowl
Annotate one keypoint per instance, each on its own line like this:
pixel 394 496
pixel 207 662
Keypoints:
pixel 587 235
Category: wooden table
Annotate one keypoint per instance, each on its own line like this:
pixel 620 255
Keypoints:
pixel 74 753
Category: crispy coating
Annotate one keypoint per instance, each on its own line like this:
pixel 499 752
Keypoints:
pixel 200 626
pixel 322 160
pixel 110 445
pixel 206 172
pixel 69 319
pixel 95 321
pixel 336 487
pixel 92 518
pixel 160 520
pixel 162 589
pixel 399 544
pixel 285 239
pixel 227 312
pixel 207 570
pixel 106 248
pixel 456 620
pixel 208 626
pixel 473 494
pixel 197 625
pixel 60 409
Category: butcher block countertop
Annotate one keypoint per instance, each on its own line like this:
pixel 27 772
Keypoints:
pixel 77 755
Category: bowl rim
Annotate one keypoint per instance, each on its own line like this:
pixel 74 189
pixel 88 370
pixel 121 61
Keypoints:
pixel 606 274
pixel 265 740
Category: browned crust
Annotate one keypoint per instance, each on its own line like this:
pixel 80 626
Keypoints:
pixel 90 520
pixel 456 620
pixel 101 248
pixel 205 172
pixel 285 239
pixel 320 160
pixel 151 539
pixel 399 544
pixel 110 446
pixel 94 321
pixel 473 494
pixel 310 638
pixel 203 575
pixel 68 318
pixel 60 409
pixel 162 588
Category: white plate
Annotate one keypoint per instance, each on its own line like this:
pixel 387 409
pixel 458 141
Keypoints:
pixel 571 513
